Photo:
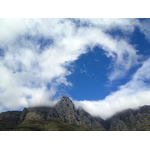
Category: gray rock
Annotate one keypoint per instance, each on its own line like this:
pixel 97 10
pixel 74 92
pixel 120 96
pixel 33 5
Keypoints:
pixel 66 110
pixel 23 114
pixel 118 125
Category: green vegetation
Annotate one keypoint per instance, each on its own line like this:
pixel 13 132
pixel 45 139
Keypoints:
pixel 6 126
pixel 31 125
pixel 42 125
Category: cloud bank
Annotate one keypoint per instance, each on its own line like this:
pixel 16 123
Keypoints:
pixel 35 55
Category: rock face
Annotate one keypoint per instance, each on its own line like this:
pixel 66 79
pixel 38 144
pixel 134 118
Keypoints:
pixel 64 111
pixel 131 120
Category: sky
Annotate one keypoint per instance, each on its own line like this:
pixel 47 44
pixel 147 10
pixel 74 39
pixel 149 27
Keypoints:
pixel 102 64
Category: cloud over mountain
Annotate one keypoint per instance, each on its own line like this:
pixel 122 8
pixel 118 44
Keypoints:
pixel 35 56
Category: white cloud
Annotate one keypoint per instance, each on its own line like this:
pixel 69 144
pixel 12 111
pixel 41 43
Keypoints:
pixel 26 70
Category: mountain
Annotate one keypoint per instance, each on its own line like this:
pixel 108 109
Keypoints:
pixel 64 117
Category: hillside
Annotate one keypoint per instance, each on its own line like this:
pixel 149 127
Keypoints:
pixel 64 117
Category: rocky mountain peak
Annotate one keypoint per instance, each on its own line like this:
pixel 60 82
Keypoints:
pixel 65 99
pixel 65 102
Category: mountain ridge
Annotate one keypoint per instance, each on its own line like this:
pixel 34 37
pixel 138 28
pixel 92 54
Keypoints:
pixel 64 116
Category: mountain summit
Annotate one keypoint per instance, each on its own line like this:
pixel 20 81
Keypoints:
pixel 64 116
pixel 66 99
pixel 65 103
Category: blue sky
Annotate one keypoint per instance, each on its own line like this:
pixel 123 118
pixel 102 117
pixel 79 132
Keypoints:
pixel 92 69
pixel 103 65
pixel 90 76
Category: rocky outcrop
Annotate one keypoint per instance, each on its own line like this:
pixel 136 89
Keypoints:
pixel 64 111
pixel 118 125
pixel 131 120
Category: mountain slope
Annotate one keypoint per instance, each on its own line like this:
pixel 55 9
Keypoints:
pixel 64 117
